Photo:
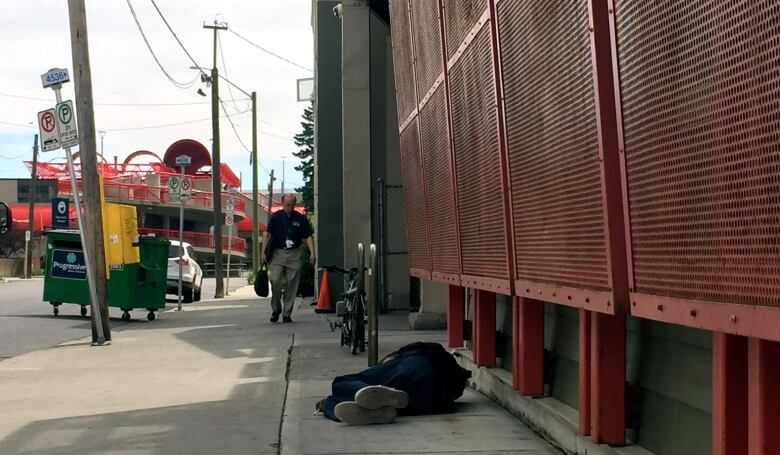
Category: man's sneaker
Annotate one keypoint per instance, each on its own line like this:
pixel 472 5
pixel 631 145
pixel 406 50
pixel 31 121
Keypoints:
pixel 351 413
pixel 378 396
pixel 274 317
pixel 286 319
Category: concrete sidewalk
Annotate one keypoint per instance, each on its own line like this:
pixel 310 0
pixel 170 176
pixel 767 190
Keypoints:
pixel 218 378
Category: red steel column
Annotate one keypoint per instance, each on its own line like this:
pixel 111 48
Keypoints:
pixel 456 314
pixel 608 379
pixel 763 397
pixel 729 392
pixel 584 373
pixel 528 346
pixel 485 328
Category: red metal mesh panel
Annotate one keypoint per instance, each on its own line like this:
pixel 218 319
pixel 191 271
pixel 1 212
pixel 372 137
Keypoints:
pixel 700 88
pixel 478 162
pixel 416 216
pixel 553 143
pixel 438 178
pixel 460 18
pixel 427 42
pixel 403 58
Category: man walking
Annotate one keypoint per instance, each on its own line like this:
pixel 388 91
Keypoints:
pixel 286 231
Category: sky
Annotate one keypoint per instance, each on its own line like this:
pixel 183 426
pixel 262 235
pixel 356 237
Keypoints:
pixel 35 37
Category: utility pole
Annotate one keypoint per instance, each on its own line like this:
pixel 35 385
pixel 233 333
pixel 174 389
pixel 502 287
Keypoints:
pixel 270 199
pixel 255 229
pixel 93 232
pixel 216 182
pixel 30 213
pixel 284 165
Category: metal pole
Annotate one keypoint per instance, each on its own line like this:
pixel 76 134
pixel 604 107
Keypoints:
pixel 373 316
pixel 255 202
pixel 230 243
pixel 30 213
pixel 101 339
pixel 181 240
pixel 382 206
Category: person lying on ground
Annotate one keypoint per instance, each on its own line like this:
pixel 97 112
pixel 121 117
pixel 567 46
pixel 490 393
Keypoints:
pixel 420 378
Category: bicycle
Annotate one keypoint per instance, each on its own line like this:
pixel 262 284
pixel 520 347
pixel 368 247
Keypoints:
pixel 352 309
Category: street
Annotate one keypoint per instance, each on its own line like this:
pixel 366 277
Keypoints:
pixel 27 323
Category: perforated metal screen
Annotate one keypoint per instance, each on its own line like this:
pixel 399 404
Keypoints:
pixel 460 18
pixel 416 215
pixel 441 191
pixel 699 84
pixel 478 163
pixel 425 26
pixel 553 143
pixel 403 58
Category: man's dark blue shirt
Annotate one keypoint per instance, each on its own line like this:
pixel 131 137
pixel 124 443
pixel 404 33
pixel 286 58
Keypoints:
pixel 295 228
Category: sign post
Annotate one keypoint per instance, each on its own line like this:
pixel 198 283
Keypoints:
pixel 54 78
pixel 182 161
pixel 230 223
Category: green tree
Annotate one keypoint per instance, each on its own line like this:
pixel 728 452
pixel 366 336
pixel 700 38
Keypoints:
pixel 305 140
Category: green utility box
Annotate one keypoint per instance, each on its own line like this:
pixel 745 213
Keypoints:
pixel 130 286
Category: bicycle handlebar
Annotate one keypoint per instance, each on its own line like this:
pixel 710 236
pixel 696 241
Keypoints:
pixel 335 268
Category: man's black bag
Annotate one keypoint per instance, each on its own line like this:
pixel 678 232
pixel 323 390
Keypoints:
pixel 261 282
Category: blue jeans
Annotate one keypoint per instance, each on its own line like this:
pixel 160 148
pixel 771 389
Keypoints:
pixel 413 374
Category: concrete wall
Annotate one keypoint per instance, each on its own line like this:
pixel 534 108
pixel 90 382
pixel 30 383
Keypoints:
pixel 357 122
pixel 676 390
pixel 8 191
pixel 328 138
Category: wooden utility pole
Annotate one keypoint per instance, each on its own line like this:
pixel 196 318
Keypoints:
pixel 93 235
pixel 270 199
pixel 31 213
pixel 216 182
pixel 255 208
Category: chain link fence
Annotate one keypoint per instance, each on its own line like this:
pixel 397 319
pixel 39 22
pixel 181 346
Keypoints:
pixel 393 256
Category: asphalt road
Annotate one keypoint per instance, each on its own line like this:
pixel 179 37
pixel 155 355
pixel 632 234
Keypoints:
pixel 27 323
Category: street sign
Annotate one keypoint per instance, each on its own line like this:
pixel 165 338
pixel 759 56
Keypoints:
pixel 55 76
pixel 66 124
pixel 229 206
pixel 27 235
pixel 185 189
pixel 174 189
pixel 60 212
pixel 229 219
pixel 183 160
pixel 47 123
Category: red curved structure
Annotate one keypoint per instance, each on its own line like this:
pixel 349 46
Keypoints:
pixel 195 150
pixel 138 153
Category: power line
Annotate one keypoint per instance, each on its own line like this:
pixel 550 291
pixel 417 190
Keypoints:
pixel 181 85
pixel 224 68
pixel 233 126
pixel 271 53
pixel 170 124
pixel 12 157
pixel 46 100
pixel 177 39
pixel 16 124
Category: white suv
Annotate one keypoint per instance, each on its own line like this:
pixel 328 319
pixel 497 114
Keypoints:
pixel 192 275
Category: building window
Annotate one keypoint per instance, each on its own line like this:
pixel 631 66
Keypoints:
pixel 45 190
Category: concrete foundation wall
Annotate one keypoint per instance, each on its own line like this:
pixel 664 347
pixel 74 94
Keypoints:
pixel 675 377
pixel 676 390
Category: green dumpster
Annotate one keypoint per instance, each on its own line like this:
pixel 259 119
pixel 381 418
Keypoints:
pixel 130 286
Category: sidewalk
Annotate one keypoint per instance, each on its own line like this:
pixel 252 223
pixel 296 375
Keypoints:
pixel 218 378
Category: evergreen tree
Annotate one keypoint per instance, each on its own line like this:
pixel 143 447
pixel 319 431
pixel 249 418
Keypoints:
pixel 305 140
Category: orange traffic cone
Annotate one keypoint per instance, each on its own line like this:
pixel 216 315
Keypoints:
pixel 323 303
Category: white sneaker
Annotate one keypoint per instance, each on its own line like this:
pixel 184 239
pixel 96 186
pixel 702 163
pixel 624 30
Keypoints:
pixel 377 396
pixel 351 413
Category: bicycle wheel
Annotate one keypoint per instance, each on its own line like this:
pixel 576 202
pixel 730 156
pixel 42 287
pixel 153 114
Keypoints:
pixel 346 326
pixel 358 339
